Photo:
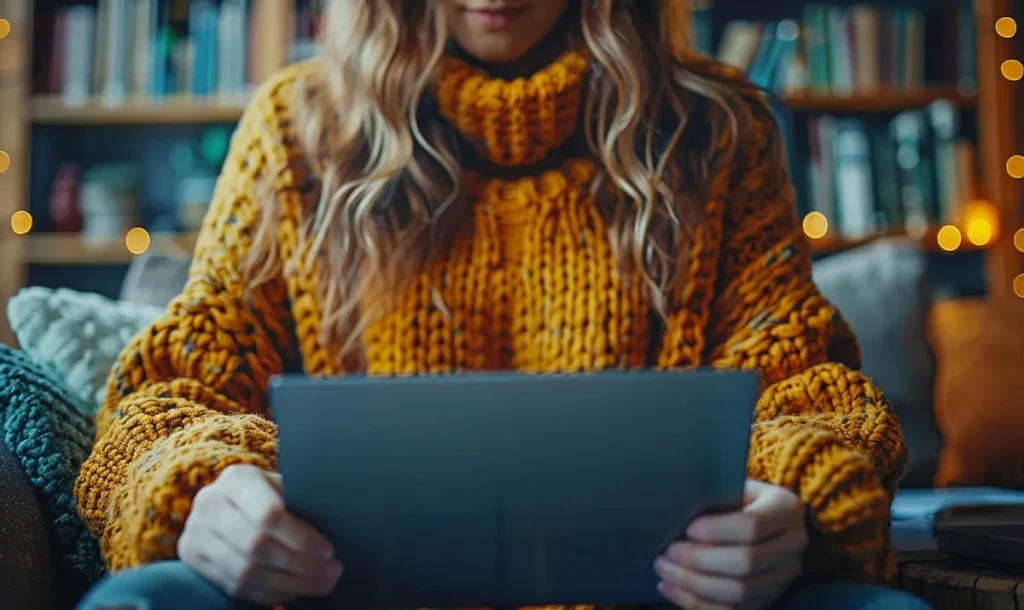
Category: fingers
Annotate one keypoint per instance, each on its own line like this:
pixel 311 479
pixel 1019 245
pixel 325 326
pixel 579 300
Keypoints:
pixel 228 568
pixel 691 589
pixel 769 511
pixel 740 559
pixel 744 559
pixel 240 536
pixel 258 499
pixel 266 551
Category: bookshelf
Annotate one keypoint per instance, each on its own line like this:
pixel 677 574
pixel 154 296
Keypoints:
pixel 908 92
pixel 33 109
pixel 175 110
pixel 883 102
pixel 72 250
pixel 52 110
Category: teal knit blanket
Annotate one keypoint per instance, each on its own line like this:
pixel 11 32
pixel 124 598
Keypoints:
pixel 50 431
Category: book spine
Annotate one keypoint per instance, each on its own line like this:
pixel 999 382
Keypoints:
pixel 77 82
pixel 854 184
pixel 816 41
pixel 839 52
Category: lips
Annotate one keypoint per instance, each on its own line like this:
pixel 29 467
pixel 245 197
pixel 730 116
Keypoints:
pixel 496 17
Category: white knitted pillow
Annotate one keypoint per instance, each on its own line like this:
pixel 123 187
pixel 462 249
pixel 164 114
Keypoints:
pixel 78 334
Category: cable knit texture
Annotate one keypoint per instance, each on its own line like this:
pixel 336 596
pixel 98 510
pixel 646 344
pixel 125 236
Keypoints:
pixel 50 432
pixel 530 285
pixel 78 334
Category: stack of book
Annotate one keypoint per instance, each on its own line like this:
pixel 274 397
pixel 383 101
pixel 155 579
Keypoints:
pixel 120 50
pixel 849 50
pixel 911 173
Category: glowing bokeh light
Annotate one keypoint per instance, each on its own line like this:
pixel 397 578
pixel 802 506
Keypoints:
pixel 815 225
pixel 137 240
pixel 949 238
pixel 1012 70
pixel 21 222
pixel 979 232
pixel 1015 166
pixel 1006 27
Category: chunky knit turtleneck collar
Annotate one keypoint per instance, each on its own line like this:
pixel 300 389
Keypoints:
pixel 515 122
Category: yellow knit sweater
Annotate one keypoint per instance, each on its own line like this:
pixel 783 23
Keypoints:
pixel 533 287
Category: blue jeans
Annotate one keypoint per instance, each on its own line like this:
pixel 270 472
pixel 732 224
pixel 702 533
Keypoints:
pixel 172 585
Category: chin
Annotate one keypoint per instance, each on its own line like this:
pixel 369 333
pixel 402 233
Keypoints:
pixel 498 52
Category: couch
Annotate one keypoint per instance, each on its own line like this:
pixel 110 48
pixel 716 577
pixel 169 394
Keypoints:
pixel 890 319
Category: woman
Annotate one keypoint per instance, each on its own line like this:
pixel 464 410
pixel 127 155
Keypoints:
pixel 540 185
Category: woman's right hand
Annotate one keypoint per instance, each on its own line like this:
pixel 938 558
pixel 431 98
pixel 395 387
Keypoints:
pixel 240 536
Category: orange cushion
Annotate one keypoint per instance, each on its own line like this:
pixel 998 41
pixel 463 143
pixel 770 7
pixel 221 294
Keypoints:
pixel 979 398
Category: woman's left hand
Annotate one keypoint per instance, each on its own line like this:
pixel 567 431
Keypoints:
pixel 745 559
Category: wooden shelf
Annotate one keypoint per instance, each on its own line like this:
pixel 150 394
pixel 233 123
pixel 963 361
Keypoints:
pixel 883 101
pixel 56 249
pixel 928 242
pixel 73 250
pixel 51 110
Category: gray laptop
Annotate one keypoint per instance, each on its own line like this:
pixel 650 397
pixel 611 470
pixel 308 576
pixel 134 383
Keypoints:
pixel 507 489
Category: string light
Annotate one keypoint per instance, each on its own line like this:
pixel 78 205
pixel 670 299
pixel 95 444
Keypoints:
pixel 137 240
pixel 949 238
pixel 5 28
pixel 1006 27
pixel 980 220
pixel 979 232
pixel 5 161
pixel 1015 167
pixel 1012 70
pixel 815 225
pixel 21 222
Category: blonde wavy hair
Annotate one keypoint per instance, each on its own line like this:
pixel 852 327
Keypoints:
pixel 391 192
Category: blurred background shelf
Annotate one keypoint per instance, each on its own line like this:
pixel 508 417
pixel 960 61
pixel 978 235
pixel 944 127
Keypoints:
pixel 928 241
pixel 52 110
pixel 881 101
pixel 178 110
pixel 68 249
pixel 56 249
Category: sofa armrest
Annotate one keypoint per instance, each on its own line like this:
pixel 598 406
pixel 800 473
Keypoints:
pixel 26 570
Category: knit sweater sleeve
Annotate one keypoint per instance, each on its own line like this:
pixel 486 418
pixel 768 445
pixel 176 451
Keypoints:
pixel 822 429
pixel 186 396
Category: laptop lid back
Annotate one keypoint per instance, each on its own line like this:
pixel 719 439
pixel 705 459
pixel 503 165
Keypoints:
pixel 507 489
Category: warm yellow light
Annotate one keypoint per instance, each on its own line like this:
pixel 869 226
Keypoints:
pixel 21 222
pixel 1015 166
pixel 1006 27
pixel 1018 285
pixel 5 28
pixel 979 232
pixel 1018 240
pixel 980 220
pixel 137 240
pixel 815 225
pixel 1012 70
pixel 949 238
pixel 5 161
